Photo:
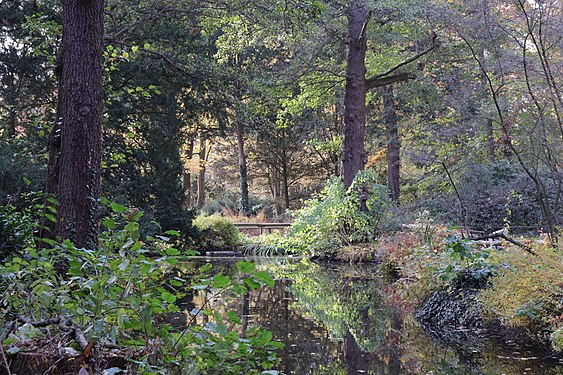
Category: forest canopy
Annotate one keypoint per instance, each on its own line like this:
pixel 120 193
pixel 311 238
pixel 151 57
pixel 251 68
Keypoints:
pixel 250 107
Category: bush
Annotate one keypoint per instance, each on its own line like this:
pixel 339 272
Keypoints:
pixel 16 230
pixel 217 232
pixel 230 203
pixel 333 218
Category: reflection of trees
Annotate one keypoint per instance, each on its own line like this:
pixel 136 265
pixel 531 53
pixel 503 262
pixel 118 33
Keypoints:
pixel 347 302
pixel 308 346
pixel 335 322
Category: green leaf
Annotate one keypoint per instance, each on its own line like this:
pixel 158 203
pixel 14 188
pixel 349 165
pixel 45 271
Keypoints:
pixel 53 201
pixel 51 217
pixel 246 267
pixel 206 267
pixel 168 297
pixel 172 233
pixel 118 208
pixel 220 281
pixel 109 223
pixel 172 251
pixel 27 181
pixel 252 284
pixel 233 317
pixel 264 277
pixel 171 261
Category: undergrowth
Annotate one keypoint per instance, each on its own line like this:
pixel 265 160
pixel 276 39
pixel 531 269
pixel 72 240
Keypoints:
pixel 522 290
pixel 60 298
pixel 333 218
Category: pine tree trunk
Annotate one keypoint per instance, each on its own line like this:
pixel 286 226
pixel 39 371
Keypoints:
pixel 353 128
pixel 393 145
pixel 76 142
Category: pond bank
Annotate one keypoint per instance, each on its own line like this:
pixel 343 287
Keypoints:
pixel 453 283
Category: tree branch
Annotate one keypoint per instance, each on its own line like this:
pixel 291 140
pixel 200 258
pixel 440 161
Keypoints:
pixel 375 81
pixel 384 79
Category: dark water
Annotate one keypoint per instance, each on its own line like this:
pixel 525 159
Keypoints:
pixel 337 319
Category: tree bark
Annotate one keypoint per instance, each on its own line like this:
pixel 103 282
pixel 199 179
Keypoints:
pixel 187 176
pixel 393 144
pixel 76 141
pixel 201 175
pixel 245 205
pixel 353 128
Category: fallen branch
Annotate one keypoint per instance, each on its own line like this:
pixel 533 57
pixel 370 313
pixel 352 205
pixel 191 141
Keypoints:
pixel 63 324
pixel 501 234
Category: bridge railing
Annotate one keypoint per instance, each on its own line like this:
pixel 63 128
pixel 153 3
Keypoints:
pixel 262 226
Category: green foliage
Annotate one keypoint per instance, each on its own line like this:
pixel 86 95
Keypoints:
pixel 117 293
pixel 217 232
pixel 557 339
pixel 528 290
pixel 19 226
pixel 333 218
pixel 465 257
pixel 16 230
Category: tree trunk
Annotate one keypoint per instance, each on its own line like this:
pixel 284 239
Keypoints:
pixel 245 205
pixel 353 128
pixel 201 175
pixel 275 189
pixel 187 176
pixel 392 138
pixel 76 139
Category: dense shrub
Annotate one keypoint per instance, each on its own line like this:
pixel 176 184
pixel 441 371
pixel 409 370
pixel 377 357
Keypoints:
pixel 16 230
pixel 527 290
pixel 19 171
pixel 333 218
pixel 216 232
pixel 229 202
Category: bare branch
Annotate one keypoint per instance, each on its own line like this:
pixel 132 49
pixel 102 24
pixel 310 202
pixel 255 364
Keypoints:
pixel 375 78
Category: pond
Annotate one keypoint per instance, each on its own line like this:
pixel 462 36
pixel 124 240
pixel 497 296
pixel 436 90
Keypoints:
pixel 337 319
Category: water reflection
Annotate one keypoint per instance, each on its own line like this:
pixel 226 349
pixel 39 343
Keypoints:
pixel 335 320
